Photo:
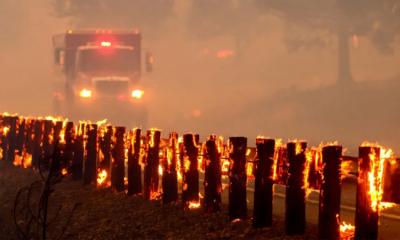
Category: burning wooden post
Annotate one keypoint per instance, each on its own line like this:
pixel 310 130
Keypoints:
pixel 367 205
pixel 263 194
pixel 295 214
pixel 281 173
pixel 237 178
pixel 4 132
pixel 134 167
pixel 47 148
pixel 57 145
pixel 105 147
pixel 79 152
pixel 118 160
pixel 190 173
pixel 104 161
pixel 314 177
pixel 212 175
pixel 395 180
pixel 90 170
pixel 330 192
pixel 11 122
pixel 169 170
pixel 69 146
pixel 36 144
pixel 151 163
pixel 21 135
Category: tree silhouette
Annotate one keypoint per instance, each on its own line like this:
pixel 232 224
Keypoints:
pixel 377 20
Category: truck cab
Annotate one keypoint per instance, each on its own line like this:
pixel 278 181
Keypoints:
pixel 102 76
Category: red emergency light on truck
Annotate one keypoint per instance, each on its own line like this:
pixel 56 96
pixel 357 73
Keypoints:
pixel 102 70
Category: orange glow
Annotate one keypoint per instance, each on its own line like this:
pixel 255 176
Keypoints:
pixel 346 231
pixel 249 169
pixel 27 160
pixel 101 178
pixel 85 93
pixel 155 195
pixel 160 170
pixel 64 172
pixel 17 160
pixel 194 205
pixel 225 54
pixel 6 130
pixel 137 93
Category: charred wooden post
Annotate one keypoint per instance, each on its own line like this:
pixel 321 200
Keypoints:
pixel 118 160
pixel 79 152
pixel 21 134
pixel 169 166
pixel 47 151
pixel 263 194
pixel 151 162
pixel 36 143
pixel 237 178
pixel 314 177
pixel 367 216
pixel 282 165
pixel 28 142
pixel 105 148
pixel 190 174
pixel 69 146
pixel 134 167
pixel 212 176
pixel 388 171
pixel 11 121
pixel 90 169
pixel 395 180
pixel 58 146
pixel 330 192
pixel 295 201
pixel 4 138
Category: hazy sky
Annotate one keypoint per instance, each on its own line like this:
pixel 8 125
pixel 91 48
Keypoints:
pixel 198 83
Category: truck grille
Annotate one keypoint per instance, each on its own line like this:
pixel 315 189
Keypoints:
pixel 110 87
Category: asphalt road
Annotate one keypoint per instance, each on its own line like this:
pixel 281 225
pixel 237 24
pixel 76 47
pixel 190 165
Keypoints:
pixel 389 221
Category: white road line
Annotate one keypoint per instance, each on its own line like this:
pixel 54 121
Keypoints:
pixel 345 207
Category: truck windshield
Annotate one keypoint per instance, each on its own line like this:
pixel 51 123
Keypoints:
pixel 107 60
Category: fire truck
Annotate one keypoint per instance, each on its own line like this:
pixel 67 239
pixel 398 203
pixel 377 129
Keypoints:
pixel 101 76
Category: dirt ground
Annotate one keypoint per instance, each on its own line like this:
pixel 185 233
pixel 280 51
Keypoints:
pixel 102 214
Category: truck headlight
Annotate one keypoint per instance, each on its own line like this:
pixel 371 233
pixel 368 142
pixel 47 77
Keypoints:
pixel 85 93
pixel 137 93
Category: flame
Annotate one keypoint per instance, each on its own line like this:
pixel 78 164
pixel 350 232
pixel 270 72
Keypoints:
pixel 64 171
pixel 194 205
pixel 101 123
pixel 309 158
pixel 375 176
pixel 346 231
pixel 155 195
pixel 346 168
pixel 6 130
pixel 160 170
pixel 27 160
pixel 249 169
pixel 101 177
pixel 18 160
pixel 278 145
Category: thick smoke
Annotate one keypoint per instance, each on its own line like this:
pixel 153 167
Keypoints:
pixel 233 69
